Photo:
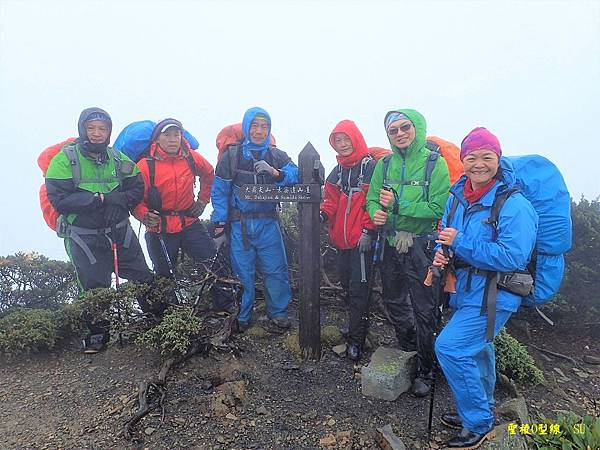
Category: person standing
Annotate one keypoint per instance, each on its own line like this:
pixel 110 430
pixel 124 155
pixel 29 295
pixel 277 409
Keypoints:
pixel 253 227
pixel 406 199
pixel 169 208
pixel 479 249
pixel 351 230
pixel 93 186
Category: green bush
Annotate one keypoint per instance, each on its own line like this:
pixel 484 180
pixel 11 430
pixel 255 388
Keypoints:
pixel 514 361
pixel 31 280
pixel 26 330
pixel 577 294
pixel 575 433
pixel 174 335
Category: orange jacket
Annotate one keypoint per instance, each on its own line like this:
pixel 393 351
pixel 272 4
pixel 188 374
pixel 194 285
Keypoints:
pixel 175 181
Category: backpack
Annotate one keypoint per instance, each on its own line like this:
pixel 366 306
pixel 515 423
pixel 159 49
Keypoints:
pixel 451 154
pixel 134 140
pixel 231 135
pixel 49 213
pixel 540 182
pixel 437 147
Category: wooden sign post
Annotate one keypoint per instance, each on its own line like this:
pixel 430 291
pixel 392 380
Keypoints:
pixel 311 171
pixel 308 196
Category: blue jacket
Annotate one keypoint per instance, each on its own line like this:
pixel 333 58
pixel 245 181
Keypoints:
pixel 475 243
pixel 236 167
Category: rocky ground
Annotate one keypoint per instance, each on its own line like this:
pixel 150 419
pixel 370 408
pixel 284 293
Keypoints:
pixel 259 397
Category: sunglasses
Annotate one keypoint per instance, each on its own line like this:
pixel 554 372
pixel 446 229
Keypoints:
pixel 404 128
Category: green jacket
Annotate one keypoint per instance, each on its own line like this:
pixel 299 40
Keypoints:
pixel 416 213
pixel 80 202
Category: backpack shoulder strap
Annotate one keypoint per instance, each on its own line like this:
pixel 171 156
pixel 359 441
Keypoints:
pixel 234 158
pixel 452 211
pixel 429 166
pixel 386 165
pixel 499 201
pixel 114 154
pixel 151 169
pixel 71 153
pixel 433 147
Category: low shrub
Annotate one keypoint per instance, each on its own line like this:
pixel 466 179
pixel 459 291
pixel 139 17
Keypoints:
pixel 26 330
pixel 571 432
pixel 174 335
pixel 514 361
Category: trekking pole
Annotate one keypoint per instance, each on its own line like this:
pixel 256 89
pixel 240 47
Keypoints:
pixel 163 246
pixel 363 272
pixel 113 243
pixel 438 287
pixel 212 265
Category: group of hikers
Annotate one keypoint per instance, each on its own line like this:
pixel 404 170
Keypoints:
pixel 397 213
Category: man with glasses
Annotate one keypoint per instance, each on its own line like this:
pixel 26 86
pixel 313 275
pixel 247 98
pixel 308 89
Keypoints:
pixel 253 226
pixel 406 199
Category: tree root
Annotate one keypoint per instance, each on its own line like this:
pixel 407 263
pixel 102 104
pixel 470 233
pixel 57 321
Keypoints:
pixel 151 394
pixel 555 354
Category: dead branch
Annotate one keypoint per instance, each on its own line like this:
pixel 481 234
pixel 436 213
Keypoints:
pixel 148 401
pixel 555 354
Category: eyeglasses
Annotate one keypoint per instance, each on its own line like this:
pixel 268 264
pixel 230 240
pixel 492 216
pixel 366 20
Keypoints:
pixel 404 128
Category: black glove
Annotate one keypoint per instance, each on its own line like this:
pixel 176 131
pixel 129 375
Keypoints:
pixel 114 213
pixel 115 197
pixel 263 168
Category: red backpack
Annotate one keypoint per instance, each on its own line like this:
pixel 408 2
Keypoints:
pixel 48 211
pixel 230 135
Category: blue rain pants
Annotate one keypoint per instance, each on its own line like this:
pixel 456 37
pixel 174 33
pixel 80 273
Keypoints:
pixel 266 250
pixel 469 364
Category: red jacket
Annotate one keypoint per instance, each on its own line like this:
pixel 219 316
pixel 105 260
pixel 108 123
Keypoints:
pixel 175 180
pixel 345 210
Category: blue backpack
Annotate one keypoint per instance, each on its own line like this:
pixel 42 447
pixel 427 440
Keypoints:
pixel 134 140
pixel 540 181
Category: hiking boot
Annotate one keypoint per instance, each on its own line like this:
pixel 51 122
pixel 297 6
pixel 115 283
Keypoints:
pixel 95 343
pixel 420 387
pixel 242 327
pixel 452 420
pixel 467 440
pixel 353 352
pixel 281 322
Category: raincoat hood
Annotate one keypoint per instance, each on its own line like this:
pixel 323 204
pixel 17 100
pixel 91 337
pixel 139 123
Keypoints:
pixel 85 116
pixel 247 145
pixel 420 128
pixel 359 145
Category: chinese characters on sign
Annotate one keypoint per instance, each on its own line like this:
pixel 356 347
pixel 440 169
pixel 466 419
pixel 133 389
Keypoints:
pixel 275 193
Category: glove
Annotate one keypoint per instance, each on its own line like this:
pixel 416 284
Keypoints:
pixel 365 241
pixel 404 241
pixel 115 198
pixel 323 217
pixel 196 209
pixel 151 219
pixel 220 239
pixel 114 213
pixel 264 168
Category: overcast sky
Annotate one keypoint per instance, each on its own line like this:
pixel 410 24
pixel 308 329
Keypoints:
pixel 527 70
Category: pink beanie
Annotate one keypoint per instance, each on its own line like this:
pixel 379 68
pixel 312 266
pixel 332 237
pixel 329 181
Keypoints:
pixel 480 139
